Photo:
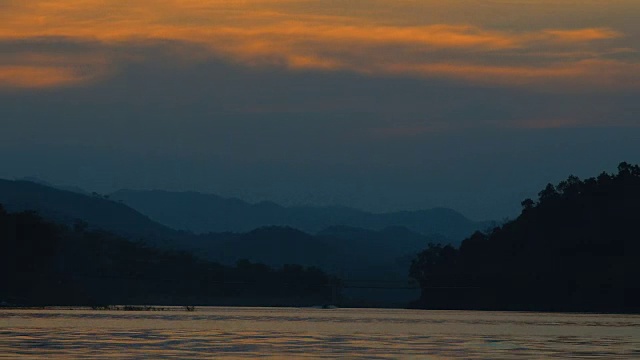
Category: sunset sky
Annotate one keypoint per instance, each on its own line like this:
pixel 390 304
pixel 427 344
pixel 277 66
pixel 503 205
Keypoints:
pixel 377 104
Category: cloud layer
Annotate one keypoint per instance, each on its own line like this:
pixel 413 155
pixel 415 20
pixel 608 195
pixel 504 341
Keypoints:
pixel 310 36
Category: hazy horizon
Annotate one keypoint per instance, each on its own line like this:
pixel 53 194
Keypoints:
pixel 494 206
pixel 79 189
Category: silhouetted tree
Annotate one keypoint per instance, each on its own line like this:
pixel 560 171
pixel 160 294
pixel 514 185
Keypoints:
pixel 527 204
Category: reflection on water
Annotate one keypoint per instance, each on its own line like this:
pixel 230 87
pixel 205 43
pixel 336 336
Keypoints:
pixel 314 333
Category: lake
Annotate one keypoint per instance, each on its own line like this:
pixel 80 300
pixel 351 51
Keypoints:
pixel 238 333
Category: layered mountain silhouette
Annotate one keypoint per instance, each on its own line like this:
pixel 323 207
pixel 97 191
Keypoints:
pixel 203 213
pixel 347 250
pixel 351 252
pixel 44 263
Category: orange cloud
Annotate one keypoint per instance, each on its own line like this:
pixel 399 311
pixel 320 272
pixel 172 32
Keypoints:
pixel 583 35
pixel 38 77
pixel 585 74
pixel 310 62
pixel 282 33
pixel 28 69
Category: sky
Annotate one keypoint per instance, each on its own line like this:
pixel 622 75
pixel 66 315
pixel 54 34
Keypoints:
pixel 377 104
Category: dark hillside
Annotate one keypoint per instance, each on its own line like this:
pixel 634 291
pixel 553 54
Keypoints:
pixel 48 264
pixel 577 248
pixel 67 207
pixel 353 252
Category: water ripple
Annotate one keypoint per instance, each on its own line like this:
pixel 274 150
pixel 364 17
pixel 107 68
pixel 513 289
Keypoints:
pixel 299 333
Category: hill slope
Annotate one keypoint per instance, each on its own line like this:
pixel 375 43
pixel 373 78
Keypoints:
pixel 49 264
pixel 67 207
pixel 353 252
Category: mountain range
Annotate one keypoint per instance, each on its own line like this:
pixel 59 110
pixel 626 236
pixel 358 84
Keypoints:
pixel 203 213
pixel 350 243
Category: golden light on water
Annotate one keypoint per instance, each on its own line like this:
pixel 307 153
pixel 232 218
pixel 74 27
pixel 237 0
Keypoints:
pixel 247 333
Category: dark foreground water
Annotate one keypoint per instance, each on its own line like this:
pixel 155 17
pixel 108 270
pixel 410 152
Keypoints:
pixel 237 333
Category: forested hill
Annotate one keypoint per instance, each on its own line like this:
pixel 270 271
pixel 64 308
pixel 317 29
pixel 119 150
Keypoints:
pixel 42 263
pixel 577 248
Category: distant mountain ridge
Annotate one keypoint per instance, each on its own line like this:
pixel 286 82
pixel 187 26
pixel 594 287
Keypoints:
pixel 203 213
pixel 37 180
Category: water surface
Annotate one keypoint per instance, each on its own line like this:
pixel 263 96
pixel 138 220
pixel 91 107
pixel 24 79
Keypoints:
pixel 238 333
